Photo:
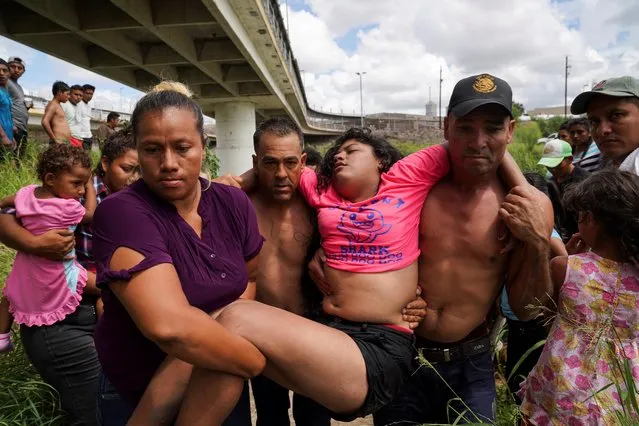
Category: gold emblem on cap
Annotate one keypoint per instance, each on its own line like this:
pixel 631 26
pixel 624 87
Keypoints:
pixel 484 83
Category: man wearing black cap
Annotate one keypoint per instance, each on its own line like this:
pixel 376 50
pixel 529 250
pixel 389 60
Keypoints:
pixel 465 261
pixel 19 109
pixel 613 111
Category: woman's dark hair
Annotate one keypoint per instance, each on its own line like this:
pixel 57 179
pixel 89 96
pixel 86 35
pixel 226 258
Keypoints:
pixel 612 197
pixel 60 158
pixel 386 153
pixel 115 146
pixel 168 94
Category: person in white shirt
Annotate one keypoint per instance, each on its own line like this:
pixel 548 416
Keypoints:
pixel 612 107
pixel 84 110
pixel 72 115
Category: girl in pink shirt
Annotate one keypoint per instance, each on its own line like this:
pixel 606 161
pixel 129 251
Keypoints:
pixel 40 292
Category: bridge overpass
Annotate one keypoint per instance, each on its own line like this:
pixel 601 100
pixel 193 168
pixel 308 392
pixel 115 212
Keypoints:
pixel 234 54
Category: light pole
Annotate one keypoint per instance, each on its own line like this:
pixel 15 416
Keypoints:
pixel 361 99
pixel 439 108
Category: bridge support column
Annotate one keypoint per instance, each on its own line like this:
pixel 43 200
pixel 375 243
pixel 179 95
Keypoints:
pixel 234 128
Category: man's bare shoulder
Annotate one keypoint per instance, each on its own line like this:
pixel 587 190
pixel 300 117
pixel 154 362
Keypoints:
pixel 54 107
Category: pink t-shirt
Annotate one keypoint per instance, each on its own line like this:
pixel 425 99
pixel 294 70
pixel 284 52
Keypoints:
pixel 42 291
pixel 382 233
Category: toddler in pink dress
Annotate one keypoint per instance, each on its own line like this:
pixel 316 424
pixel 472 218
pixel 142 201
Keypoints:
pixel 39 291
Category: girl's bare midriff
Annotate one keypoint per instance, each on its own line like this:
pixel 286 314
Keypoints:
pixel 371 297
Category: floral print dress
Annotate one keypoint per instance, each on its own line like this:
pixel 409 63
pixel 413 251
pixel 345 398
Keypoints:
pixel 594 337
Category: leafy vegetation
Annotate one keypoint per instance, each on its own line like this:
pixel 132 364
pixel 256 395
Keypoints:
pixel 550 125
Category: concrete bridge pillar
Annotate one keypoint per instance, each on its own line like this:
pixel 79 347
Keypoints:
pixel 234 128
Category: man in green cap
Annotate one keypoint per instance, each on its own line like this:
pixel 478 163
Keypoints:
pixel 613 111
pixel 558 159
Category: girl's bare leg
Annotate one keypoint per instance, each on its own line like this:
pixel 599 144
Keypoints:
pixel 5 326
pixel 314 360
pixel 210 398
pixel 163 396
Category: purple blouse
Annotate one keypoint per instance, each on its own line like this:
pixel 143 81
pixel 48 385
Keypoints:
pixel 211 269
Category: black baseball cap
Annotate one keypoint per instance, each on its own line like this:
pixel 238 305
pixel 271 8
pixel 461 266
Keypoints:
pixel 472 92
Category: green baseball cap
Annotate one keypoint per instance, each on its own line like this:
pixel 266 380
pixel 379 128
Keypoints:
pixel 618 87
pixel 555 150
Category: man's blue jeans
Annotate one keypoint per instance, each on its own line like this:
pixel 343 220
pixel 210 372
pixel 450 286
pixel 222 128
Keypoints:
pixel 427 399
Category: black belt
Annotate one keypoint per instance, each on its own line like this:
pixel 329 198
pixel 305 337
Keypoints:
pixel 469 348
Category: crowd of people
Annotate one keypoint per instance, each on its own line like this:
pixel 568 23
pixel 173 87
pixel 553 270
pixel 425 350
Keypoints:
pixel 146 294
pixel 67 117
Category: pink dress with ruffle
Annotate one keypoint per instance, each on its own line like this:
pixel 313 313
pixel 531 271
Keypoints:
pixel 41 291
pixel 595 336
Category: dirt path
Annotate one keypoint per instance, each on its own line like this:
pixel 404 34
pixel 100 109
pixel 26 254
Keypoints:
pixel 367 421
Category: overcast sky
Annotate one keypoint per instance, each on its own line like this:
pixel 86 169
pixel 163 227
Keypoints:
pixel 401 44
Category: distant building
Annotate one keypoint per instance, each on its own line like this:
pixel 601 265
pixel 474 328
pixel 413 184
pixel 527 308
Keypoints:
pixel 431 111
pixel 547 112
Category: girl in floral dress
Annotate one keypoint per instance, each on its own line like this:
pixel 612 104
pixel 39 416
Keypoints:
pixel 596 330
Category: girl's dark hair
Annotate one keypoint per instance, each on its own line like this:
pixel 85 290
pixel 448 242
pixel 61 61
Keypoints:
pixel 60 158
pixel 386 153
pixel 168 94
pixel 115 146
pixel 612 197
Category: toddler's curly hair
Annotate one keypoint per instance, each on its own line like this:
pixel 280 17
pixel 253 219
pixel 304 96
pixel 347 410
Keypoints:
pixel 60 158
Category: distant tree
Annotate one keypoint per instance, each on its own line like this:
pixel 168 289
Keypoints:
pixel 550 125
pixel 518 109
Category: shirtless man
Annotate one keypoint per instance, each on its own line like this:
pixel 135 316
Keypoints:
pixel 464 264
pixel 54 121
pixel 287 224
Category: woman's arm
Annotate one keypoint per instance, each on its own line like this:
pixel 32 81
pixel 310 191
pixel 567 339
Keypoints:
pixel 55 244
pixel 9 201
pixel 159 308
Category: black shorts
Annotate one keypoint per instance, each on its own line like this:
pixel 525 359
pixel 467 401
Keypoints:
pixel 388 355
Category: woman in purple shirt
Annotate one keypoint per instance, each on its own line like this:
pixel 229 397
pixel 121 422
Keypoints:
pixel 170 250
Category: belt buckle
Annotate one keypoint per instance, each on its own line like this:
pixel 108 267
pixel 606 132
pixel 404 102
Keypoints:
pixel 446 355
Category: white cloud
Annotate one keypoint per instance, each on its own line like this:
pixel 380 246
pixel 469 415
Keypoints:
pixel 313 44
pixel 524 42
